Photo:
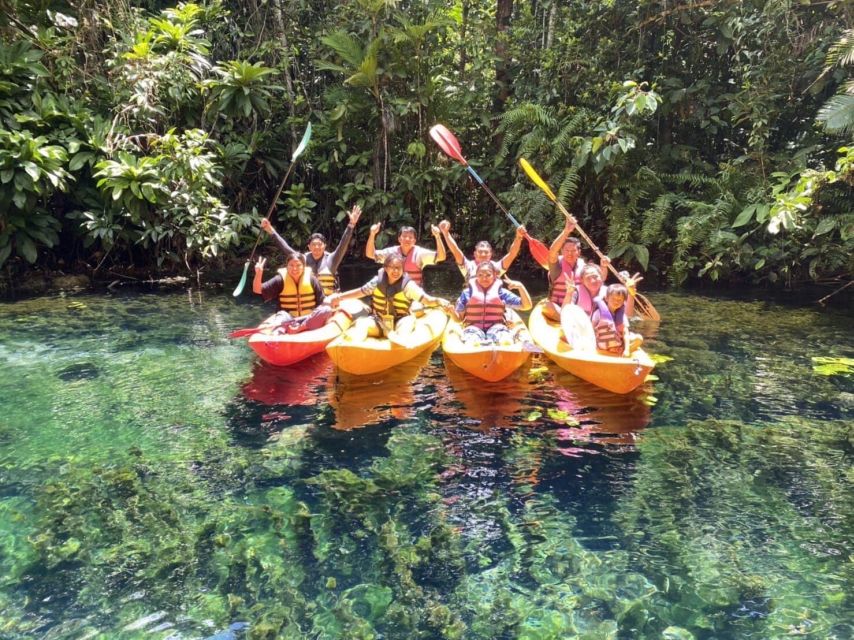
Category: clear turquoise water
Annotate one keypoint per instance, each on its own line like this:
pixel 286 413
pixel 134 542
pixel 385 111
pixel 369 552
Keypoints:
pixel 156 481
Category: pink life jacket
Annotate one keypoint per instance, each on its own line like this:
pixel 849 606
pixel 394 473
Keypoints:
pixel 558 292
pixel 585 300
pixel 484 308
pixel 609 327
pixel 410 264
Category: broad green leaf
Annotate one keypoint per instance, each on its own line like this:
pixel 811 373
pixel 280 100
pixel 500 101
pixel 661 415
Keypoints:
pixel 745 216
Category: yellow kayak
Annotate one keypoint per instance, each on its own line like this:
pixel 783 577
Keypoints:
pixel 489 362
pixel 354 353
pixel 617 374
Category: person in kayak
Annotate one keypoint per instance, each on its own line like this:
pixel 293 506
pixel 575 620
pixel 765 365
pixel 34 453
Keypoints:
pixel 298 292
pixel 611 322
pixel 565 269
pixel 415 257
pixel 482 305
pixel 323 265
pixel 482 252
pixel 393 295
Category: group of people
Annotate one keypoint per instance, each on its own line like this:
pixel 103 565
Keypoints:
pixel 308 291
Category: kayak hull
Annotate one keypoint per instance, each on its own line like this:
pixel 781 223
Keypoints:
pixel 617 374
pixel 353 353
pixel 488 362
pixel 285 349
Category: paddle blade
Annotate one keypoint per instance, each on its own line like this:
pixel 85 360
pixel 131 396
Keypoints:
pixel 239 288
pixel 303 143
pixel 448 143
pixel 539 251
pixel 537 180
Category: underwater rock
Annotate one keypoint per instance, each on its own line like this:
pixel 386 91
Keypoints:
pixel 80 371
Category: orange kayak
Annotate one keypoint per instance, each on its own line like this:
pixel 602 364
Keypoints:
pixel 617 374
pixel 356 353
pixel 492 362
pixel 286 349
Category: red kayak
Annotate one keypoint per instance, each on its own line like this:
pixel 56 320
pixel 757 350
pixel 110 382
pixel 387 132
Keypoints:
pixel 284 349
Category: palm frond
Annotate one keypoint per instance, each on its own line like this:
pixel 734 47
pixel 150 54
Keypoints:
pixel 837 114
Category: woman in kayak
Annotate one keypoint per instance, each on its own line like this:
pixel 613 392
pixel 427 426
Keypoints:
pixel 393 295
pixel 415 258
pixel 298 292
pixel 323 265
pixel 482 305
pixel 482 252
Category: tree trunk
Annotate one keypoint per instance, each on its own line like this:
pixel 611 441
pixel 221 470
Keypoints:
pixel 503 84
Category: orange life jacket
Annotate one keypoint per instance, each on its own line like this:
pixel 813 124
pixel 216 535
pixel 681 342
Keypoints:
pixel 558 290
pixel 609 327
pixel 484 308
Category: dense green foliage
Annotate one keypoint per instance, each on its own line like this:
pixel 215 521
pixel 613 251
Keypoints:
pixel 706 140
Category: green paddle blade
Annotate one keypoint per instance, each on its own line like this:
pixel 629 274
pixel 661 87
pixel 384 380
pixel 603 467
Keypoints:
pixel 239 288
pixel 303 143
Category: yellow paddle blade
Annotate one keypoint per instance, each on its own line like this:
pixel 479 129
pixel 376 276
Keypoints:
pixel 533 175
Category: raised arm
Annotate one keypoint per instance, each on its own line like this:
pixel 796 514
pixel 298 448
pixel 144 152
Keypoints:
pixel 440 246
pixel 507 260
pixel 370 247
pixel 257 281
pixel 445 228
pixel 554 249
pixel 522 291
pixel 267 226
pixel 341 250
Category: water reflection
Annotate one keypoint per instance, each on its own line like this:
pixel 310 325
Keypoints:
pixel 360 401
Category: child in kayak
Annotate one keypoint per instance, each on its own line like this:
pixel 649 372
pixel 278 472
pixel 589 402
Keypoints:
pixel 482 252
pixel 415 257
pixel 393 296
pixel 298 292
pixel 611 323
pixel 482 306
pixel 323 264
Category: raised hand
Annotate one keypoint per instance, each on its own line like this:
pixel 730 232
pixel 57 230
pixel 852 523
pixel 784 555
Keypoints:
pixel 354 215
pixel 445 226
pixel 266 225
pixel 259 266
pixel 375 228
pixel 521 231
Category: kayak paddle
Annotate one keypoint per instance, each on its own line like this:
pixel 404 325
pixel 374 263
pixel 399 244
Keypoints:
pixel 300 148
pixel 448 143
pixel 644 305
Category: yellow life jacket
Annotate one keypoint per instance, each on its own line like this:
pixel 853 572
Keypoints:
pixel 325 276
pixel 389 299
pixel 297 298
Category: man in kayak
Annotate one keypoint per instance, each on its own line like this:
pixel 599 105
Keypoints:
pixel 392 293
pixel 323 265
pixel 482 252
pixel 298 292
pixel 415 258
pixel 482 305
pixel 566 267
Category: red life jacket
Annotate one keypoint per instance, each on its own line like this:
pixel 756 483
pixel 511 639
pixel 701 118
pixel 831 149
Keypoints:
pixel 410 264
pixel 609 327
pixel 484 308
pixel 558 292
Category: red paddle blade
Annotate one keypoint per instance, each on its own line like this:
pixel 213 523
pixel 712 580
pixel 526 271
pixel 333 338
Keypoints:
pixel 448 143
pixel 539 251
